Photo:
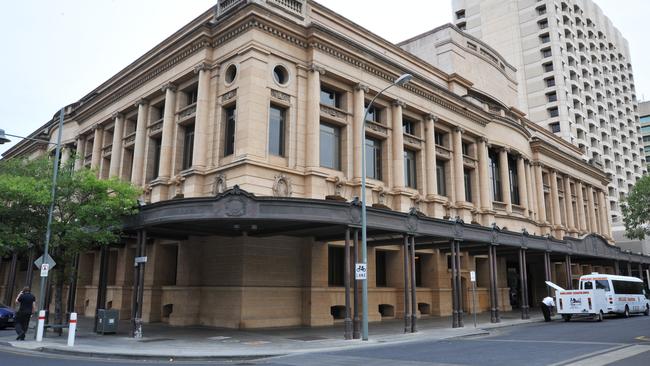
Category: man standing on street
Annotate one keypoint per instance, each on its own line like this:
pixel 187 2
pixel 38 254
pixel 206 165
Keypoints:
pixel 27 303
pixel 547 305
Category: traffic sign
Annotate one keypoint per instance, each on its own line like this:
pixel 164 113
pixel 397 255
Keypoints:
pixel 360 271
pixel 39 262
pixel 472 276
pixel 45 268
pixel 138 260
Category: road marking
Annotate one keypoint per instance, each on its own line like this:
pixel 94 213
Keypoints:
pixel 535 341
pixel 610 357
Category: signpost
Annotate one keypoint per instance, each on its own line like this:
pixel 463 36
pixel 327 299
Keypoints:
pixel 472 277
pixel 360 271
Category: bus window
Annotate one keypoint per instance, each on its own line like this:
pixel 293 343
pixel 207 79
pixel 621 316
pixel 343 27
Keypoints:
pixel 628 288
pixel 602 285
pixel 587 285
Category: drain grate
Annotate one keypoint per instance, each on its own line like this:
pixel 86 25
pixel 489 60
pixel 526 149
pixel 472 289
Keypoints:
pixel 308 338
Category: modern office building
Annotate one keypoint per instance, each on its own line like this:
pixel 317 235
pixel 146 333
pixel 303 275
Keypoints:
pixel 644 118
pixel 574 78
pixel 244 129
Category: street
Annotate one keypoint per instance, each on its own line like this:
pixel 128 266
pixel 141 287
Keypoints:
pixel 615 341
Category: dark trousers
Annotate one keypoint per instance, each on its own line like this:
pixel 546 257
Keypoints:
pixel 22 323
pixel 546 310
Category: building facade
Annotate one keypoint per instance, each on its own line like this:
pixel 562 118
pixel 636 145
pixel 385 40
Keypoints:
pixel 644 119
pixel 244 130
pixel 574 76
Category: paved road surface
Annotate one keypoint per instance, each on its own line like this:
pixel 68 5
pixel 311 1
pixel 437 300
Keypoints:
pixel 615 341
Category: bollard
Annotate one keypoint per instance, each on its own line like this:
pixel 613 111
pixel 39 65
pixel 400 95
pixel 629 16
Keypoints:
pixel 41 326
pixel 72 329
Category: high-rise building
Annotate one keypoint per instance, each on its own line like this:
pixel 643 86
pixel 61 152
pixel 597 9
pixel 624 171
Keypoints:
pixel 574 78
pixel 644 118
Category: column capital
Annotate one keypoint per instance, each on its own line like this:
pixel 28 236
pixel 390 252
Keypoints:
pixel 431 117
pixel 97 126
pixel 168 85
pixel 536 164
pixel 201 67
pixel 141 101
pixel 459 129
pixel 504 149
pixel 361 86
pixel 399 103
pixel 117 115
pixel 316 68
pixel 483 139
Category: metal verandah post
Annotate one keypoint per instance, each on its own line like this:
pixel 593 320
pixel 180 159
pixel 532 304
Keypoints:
pixel 523 285
pixel 356 331
pixel 101 286
pixel 569 275
pixel 11 280
pixel 526 304
pixel 454 289
pixel 459 286
pixel 407 315
pixel 617 268
pixel 348 321
pixel 547 271
pixel 629 269
pixel 143 253
pixel 493 318
pixel 29 274
pixel 414 301
pixel 72 290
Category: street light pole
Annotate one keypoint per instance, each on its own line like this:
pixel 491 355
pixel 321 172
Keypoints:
pixel 48 232
pixel 405 78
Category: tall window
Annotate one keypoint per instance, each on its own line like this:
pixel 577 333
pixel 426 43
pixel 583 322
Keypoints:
pixel 440 138
pixel 514 180
pixel 408 126
pixel 156 158
pixel 441 178
pixel 380 268
pixel 335 266
pixel 277 117
pixel 373 158
pixel 495 176
pixel 330 97
pixel 410 177
pixel 188 147
pixel 330 146
pixel 192 95
pixel 467 181
pixel 229 136
pixel 374 114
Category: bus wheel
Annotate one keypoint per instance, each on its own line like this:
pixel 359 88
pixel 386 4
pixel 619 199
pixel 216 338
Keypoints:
pixel 647 310
pixel 600 316
pixel 566 317
pixel 626 313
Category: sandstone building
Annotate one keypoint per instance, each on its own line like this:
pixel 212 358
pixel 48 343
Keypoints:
pixel 244 129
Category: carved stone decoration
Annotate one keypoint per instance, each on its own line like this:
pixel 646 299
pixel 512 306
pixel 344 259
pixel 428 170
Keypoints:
pixel 117 115
pixel 363 87
pixel 168 85
pixel 229 95
pixel 220 185
pixel 141 101
pixel 412 221
pixel 280 95
pixel 235 206
pixel 316 68
pixel 282 186
pixel 177 182
pixel 338 186
pixel 332 112
pixel 200 67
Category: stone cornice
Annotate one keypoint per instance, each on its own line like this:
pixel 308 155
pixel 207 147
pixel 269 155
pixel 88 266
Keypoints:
pixel 540 146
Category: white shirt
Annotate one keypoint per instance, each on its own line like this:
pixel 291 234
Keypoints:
pixel 548 301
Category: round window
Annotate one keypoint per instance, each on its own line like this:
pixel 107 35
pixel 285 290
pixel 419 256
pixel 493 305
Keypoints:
pixel 231 73
pixel 280 75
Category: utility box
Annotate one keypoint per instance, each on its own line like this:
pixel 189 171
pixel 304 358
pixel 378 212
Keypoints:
pixel 107 321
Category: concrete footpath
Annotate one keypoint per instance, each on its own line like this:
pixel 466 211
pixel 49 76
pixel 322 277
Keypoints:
pixel 162 341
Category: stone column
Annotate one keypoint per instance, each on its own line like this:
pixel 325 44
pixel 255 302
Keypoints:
pixel 81 152
pixel 505 179
pixel 167 140
pixel 483 174
pixel 580 203
pixel 116 149
pixel 521 180
pixel 555 200
pixel 459 171
pixel 201 127
pixel 358 125
pixel 604 222
pixel 541 205
pixel 591 206
pixel 398 145
pixel 568 200
pixel 430 156
pixel 532 202
pixel 97 147
pixel 65 154
pixel 312 143
pixel 137 171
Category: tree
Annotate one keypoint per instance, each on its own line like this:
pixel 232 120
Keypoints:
pixel 636 210
pixel 88 211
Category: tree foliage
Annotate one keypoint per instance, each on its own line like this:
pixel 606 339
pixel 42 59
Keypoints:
pixel 636 210
pixel 87 211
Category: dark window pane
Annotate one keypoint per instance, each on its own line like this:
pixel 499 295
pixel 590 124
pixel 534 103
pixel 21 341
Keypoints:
pixel 373 158
pixel 495 175
pixel 192 96
pixel 408 126
pixel 330 97
pixel 156 158
pixel 374 114
pixel 330 142
pixel 188 147
pixel 229 143
pixel 380 261
pixel 335 266
pixel 410 169
pixel 276 130
pixel 467 180
pixel 440 138
pixel 514 180
pixel 441 179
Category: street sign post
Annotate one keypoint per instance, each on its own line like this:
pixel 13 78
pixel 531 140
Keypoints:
pixel 360 271
pixel 48 260
pixel 45 268
pixel 472 277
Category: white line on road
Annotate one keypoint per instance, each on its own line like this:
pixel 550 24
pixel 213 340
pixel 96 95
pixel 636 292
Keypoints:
pixel 610 357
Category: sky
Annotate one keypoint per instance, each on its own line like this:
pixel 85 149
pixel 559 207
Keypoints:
pixel 55 52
